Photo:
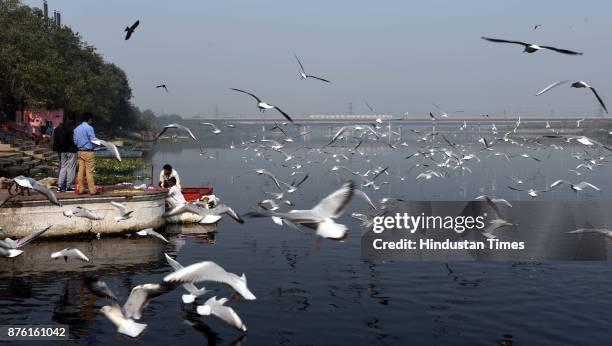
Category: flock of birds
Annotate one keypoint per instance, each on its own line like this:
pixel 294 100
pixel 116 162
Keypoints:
pixel 437 157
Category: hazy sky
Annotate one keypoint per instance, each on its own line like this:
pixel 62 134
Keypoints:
pixel 400 56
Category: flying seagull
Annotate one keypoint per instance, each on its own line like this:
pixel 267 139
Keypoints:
pixel 12 246
pixel 82 212
pixel 70 253
pixel 214 306
pixel 177 126
pixel 194 292
pixel 29 183
pixel 532 48
pixel 215 129
pixel 320 218
pixel 130 30
pixel 578 84
pixel 576 187
pixel 162 86
pixel 211 271
pixel 264 105
pixel 303 74
pixel 150 232
pixel 124 213
pixel 108 145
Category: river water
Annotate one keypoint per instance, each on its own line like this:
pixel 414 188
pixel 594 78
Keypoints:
pixel 311 293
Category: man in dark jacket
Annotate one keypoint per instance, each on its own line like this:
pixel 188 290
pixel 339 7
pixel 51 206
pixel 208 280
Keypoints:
pixel 64 145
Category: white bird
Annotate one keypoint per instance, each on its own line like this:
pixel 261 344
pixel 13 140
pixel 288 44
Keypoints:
pixel 108 145
pixel 150 232
pixel 215 307
pixel 82 212
pixel 264 105
pixel 194 292
pixel 578 84
pixel 215 129
pixel 532 48
pixel 576 187
pixel 211 271
pixel 70 253
pixel 303 74
pixel 321 217
pixel 428 175
pixel 604 231
pixel 11 246
pixel 211 215
pixel 29 183
pixel 126 326
pixel 124 213
pixel 177 126
pixel 494 200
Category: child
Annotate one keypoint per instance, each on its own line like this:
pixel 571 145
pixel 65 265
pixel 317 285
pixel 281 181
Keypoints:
pixel 175 197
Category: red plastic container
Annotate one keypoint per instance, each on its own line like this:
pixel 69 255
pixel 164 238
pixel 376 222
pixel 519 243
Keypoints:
pixel 193 194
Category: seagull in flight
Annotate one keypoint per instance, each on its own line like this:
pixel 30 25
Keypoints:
pixel 320 217
pixel 264 105
pixel 11 247
pixel 214 306
pixel 303 74
pixel 578 84
pixel 532 48
pixel 82 212
pixel 124 213
pixel 215 129
pixel 150 232
pixel 576 187
pixel 130 30
pixel 108 145
pixel 70 253
pixel 211 271
pixel 162 86
pixel 177 126
pixel 29 183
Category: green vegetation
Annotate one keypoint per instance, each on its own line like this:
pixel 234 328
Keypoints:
pixel 45 66
pixel 110 172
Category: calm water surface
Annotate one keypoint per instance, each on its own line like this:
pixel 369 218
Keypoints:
pixel 327 295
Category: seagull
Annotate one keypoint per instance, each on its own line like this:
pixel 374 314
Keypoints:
pixel 320 218
pixel 215 129
pixel 530 192
pixel 70 253
pixel 150 232
pixel 578 84
pixel 264 105
pixel 262 171
pixel 163 86
pixel 29 183
pixel 123 317
pixel 124 214
pixel 130 30
pixel 108 145
pixel 211 271
pixel 194 292
pixel 177 126
pixel 536 26
pixel 532 48
pixel 604 231
pixel 576 187
pixel 211 215
pixel 11 246
pixel 125 326
pixel 428 175
pixel 303 74
pixel 82 212
pixel 215 307
pixel 494 200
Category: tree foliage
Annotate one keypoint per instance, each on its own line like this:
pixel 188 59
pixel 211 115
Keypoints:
pixel 45 66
